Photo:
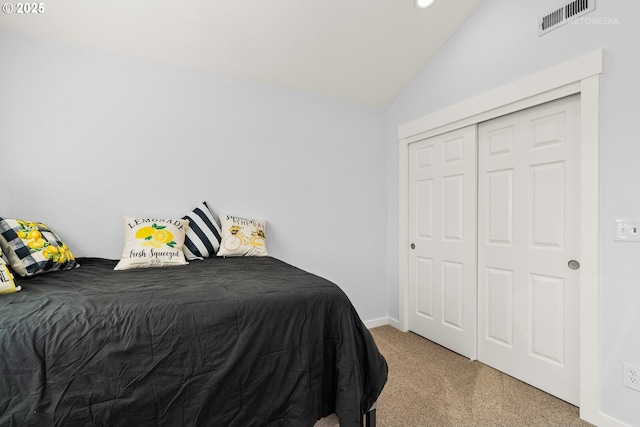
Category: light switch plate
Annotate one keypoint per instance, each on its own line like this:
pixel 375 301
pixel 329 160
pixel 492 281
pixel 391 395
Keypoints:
pixel 627 230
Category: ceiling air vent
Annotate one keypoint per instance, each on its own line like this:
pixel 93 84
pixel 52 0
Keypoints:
pixel 567 13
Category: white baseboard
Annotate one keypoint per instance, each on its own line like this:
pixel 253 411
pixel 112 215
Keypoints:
pixel 395 323
pixel 608 421
pixel 370 324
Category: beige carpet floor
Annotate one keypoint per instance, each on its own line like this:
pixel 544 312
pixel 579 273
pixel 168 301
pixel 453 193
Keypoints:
pixel 429 385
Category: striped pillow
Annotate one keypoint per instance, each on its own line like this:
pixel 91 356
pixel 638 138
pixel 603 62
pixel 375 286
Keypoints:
pixel 203 235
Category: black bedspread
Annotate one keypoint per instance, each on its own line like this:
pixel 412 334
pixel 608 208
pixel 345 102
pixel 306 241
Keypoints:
pixel 220 342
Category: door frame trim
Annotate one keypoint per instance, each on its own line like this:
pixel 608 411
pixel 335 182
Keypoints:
pixel 580 75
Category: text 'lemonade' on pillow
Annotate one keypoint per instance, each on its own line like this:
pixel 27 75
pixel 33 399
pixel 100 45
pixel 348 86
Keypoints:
pixel 151 242
pixel 242 236
pixel 7 285
pixel 33 248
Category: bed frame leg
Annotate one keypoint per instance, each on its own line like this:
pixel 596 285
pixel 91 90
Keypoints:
pixel 370 418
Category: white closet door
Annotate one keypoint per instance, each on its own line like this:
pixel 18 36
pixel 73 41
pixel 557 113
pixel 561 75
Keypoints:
pixel 442 235
pixel 528 233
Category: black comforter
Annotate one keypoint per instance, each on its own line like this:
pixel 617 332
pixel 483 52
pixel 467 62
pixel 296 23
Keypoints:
pixel 220 342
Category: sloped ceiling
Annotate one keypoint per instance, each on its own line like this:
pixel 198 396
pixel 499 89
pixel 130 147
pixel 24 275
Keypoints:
pixel 364 51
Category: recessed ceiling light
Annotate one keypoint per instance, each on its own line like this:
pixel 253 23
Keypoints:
pixel 423 4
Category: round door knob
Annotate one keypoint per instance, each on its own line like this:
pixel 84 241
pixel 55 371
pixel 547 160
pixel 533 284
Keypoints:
pixel 413 246
pixel 573 264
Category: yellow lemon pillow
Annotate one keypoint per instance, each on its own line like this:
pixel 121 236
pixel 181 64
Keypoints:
pixel 242 236
pixel 150 242
pixel 33 248
pixel 7 285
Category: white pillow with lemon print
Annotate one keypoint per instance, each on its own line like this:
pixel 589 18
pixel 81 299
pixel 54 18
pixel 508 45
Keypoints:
pixel 33 248
pixel 151 242
pixel 242 236
pixel 7 285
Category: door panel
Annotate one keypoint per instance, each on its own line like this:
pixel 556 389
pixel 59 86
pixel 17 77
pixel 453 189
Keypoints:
pixel 442 227
pixel 528 228
pixel 499 316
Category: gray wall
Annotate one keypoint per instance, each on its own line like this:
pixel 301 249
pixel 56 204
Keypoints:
pixel 499 44
pixel 87 137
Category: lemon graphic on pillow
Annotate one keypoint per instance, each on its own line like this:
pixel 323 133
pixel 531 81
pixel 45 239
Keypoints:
pixel 156 236
pixel 58 254
pixel 28 234
pixel 37 243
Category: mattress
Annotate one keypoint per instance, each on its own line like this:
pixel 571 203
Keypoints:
pixel 247 341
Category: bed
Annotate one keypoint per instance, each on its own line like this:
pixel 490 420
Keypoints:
pixel 236 341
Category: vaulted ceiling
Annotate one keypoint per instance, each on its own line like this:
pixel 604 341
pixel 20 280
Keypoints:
pixel 364 51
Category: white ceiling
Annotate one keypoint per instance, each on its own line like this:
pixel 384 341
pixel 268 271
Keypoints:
pixel 365 51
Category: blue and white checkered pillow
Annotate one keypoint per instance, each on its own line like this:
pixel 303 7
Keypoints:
pixel 33 248
pixel 203 236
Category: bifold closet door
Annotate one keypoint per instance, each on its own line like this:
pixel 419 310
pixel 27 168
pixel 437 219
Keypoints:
pixel 528 246
pixel 442 238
